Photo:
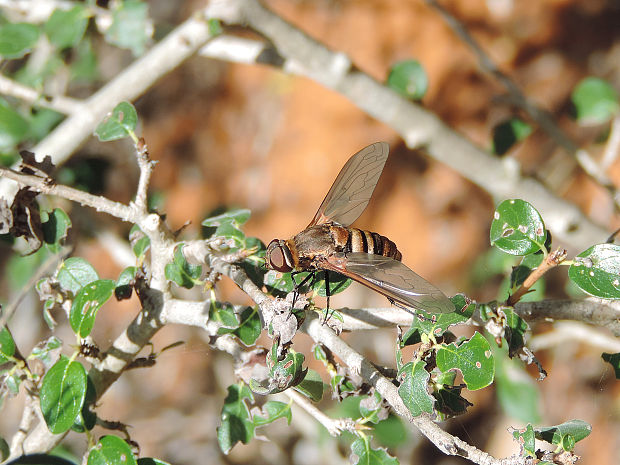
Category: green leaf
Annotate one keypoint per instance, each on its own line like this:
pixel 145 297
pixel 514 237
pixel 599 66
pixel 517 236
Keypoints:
pixel 87 303
pixel 391 432
pixel 520 272
pixel 16 39
pixel 281 284
pixel 527 438
pixel 246 326
pixel 557 435
pixel 13 127
pixel 613 360
pixel 595 101
pixel 437 324
pixel 284 374
pixel 87 420
pixel 84 64
pixel 75 273
pixel 473 358
pixel 370 408
pixel 140 242
pixel 124 282
pixel 312 386
pixel 215 27
pixel 237 217
pixel 119 124
pixel 597 271
pixel 508 133
pixel 413 388
pixel 514 331
pixel 111 450
pixel 55 226
pixel 181 272
pixel 449 401
pixel 42 350
pixel 65 28
pixel 272 411
pixel 235 422
pixel 7 346
pixel 62 394
pixel 337 284
pixel 130 27
pixel 517 228
pixel 364 454
pixel 409 79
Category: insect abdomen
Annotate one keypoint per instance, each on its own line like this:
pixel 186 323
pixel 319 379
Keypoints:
pixel 359 240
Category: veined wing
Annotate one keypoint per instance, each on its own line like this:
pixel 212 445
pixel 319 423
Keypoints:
pixel 352 189
pixel 392 279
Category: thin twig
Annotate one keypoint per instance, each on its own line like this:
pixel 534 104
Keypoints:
pixel 570 332
pixel 334 426
pixel 47 186
pixel 61 104
pixel 550 261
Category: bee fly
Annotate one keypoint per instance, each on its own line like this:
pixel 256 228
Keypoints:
pixel 329 244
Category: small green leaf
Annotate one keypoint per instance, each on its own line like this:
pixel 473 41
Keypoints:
pixel 614 361
pixel 140 242
pixel 62 394
pixel 7 346
pixel 235 422
pixel 597 271
pixel 272 411
pixel 237 217
pixel 75 273
pixel 449 401
pixel 595 101
pixel 391 432
pixel 130 27
pixel 312 386
pixel 65 28
pixel 473 358
pixel 281 284
pixel 181 272
pixel 508 133
pixel 87 303
pixel 371 409
pixel 13 127
pixel 84 64
pixel 56 226
pixel 413 389
pixel 87 419
pixel 124 282
pixel 111 450
pixel 517 228
pixel 119 124
pixel 515 330
pixel 520 272
pixel 246 326
pixel 576 429
pixel 527 438
pixel 16 39
pixel 409 79
pixel 284 374
pixel 364 454
pixel 215 27
pixel 42 350
pixel 337 284
pixel 437 324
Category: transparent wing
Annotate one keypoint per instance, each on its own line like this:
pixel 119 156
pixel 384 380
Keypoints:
pixel 392 279
pixel 352 189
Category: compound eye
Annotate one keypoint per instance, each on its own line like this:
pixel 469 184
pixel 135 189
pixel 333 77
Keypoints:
pixel 275 257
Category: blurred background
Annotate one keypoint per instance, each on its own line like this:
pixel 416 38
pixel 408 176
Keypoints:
pixel 228 135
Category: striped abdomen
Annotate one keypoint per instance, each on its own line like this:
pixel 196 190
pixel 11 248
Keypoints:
pixel 358 240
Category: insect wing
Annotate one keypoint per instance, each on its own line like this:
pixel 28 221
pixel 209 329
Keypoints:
pixel 352 189
pixel 392 279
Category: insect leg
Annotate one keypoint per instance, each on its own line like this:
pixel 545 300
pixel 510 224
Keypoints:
pixel 300 285
pixel 409 310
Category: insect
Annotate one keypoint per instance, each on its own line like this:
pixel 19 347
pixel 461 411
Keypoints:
pixel 329 244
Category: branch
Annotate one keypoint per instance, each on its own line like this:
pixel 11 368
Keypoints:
pixel 568 332
pixel 61 104
pixel 550 261
pixel 333 426
pixel 296 53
